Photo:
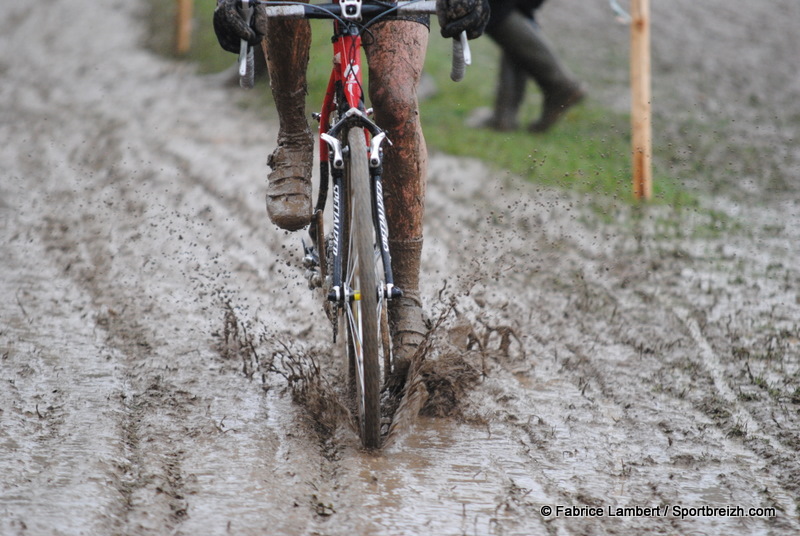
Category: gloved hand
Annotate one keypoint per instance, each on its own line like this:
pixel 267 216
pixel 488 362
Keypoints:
pixel 231 28
pixel 456 16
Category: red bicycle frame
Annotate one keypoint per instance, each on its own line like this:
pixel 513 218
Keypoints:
pixel 347 73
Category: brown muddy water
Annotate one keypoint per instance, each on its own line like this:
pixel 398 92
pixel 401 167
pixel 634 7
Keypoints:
pixel 595 358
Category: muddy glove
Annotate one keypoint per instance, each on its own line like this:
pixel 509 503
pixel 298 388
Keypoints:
pixel 231 28
pixel 456 16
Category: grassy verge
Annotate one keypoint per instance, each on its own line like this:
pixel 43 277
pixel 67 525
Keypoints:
pixel 588 151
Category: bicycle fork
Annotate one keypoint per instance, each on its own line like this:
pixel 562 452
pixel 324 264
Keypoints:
pixel 379 215
pixel 333 168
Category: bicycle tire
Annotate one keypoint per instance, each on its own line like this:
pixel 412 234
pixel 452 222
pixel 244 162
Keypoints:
pixel 361 275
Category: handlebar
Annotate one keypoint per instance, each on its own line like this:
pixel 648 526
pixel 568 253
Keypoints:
pixel 296 10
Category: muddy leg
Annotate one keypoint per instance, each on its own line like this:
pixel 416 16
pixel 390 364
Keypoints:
pixel 396 60
pixel 286 47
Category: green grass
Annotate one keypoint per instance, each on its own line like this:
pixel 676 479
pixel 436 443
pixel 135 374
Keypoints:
pixel 205 52
pixel 587 151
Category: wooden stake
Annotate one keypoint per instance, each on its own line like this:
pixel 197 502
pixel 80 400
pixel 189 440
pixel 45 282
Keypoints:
pixel 183 26
pixel 640 100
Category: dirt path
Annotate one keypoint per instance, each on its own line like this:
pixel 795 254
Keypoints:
pixel 618 358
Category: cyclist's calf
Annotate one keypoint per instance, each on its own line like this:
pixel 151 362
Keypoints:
pixel 395 69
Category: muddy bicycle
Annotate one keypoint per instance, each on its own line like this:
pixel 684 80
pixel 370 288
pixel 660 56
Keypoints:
pixel 352 264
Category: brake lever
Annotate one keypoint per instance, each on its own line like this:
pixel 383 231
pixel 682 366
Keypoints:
pixel 462 56
pixel 246 56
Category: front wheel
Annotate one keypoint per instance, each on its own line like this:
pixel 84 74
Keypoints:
pixel 364 302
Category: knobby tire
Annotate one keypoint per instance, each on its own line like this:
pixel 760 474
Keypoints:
pixel 361 275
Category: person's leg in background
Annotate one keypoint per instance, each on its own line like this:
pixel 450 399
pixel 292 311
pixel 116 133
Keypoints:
pixel 523 42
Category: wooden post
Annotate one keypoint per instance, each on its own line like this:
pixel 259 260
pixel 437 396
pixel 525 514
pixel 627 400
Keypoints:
pixel 640 100
pixel 183 26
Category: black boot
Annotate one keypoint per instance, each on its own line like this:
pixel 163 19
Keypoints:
pixel 555 105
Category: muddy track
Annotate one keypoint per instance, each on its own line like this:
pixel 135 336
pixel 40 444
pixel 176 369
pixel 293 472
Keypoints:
pixel 594 355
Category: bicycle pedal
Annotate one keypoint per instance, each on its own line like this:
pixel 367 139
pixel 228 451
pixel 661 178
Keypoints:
pixel 310 256
pixel 314 279
pixel 310 262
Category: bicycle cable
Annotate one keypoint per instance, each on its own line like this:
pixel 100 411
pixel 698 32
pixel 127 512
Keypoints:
pixel 396 7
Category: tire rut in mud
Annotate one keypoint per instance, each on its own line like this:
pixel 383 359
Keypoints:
pixel 153 410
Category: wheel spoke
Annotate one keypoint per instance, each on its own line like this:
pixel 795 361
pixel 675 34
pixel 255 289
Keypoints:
pixel 358 350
